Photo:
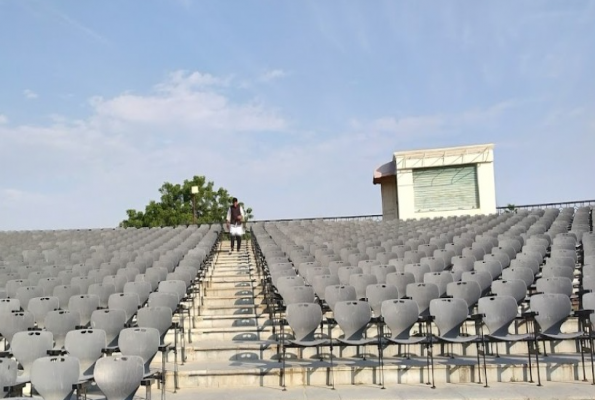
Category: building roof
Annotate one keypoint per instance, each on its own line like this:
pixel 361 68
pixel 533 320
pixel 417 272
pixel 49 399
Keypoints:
pixel 388 169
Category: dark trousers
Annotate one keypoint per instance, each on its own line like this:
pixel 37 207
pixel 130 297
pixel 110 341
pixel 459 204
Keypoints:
pixel 233 239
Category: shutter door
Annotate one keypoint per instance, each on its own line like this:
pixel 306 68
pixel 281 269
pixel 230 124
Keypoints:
pixel 445 188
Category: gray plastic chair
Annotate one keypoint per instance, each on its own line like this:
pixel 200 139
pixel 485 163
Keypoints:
pixel 346 272
pixel 515 288
pixel 143 289
pixel 400 315
pixel 499 312
pixel 304 319
pixel 483 278
pixel 422 294
pixel 400 280
pixel 85 305
pixel 118 281
pixel 13 322
pixel 13 285
pixel 119 377
pixel 298 294
pixel 552 310
pixel 554 285
pixel 83 283
pixel 28 347
pixel 26 293
pixel 353 318
pixel 164 299
pixel 360 282
pixel 54 378
pixel 103 291
pixel 336 293
pixel 449 315
pixel 493 267
pixel 142 342
pixel 552 271
pixel 87 345
pixel 9 305
pixel 440 279
pixel 418 271
pixel 8 375
pixel 159 318
pixel 435 264
pixel 381 271
pixel 60 322
pixel 40 306
pixel 125 301
pixel 320 282
pixel 64 293
pixel 48 285
pixel 468 291
pixel 175 286
pixel 523 273
pixel 110 321
pixel 378 293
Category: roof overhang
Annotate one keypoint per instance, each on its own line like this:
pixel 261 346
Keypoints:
pixel 385 170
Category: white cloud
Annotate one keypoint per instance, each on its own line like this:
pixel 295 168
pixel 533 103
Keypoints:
pixel 272 75
pixel 3 119
pixel 30 94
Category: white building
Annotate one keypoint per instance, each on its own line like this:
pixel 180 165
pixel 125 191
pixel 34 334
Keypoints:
pixel 438 182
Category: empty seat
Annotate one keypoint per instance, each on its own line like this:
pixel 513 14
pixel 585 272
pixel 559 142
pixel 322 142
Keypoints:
pixel 422 294
pixel 119 377
pixel 40 306
pixel 336 293
pixel 84 305
pixel 377 293
pixel 28 347
pixel 54 378
pixel 142 342
pixel 87 346
pixel 60 322
pixel 110 321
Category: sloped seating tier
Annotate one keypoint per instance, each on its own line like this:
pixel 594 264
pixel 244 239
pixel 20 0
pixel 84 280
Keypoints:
pixel 520 256
pixel 67 296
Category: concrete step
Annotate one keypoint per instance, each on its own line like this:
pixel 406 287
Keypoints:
pixel 232 310
pixel 249 370
pixel 205 321
pixel 209 302
pixel 228 292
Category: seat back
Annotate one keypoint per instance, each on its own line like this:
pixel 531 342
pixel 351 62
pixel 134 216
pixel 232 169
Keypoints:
pixel 40 306
pixel 353 318
pixel 523 273
pixel 379 292
pixel 400 280
pixel 449 314
pixel 15 321
pixel 60 322
pixel 360 282
pixel 8 374
pixel 515 288
pixel 64 293
pixel 119 377
pixel 29 346
pixel 159 318
pixel 422 294
pixel 559 285
pixel 400 315
pixel 84 304
pixel 298 294
pixel 498 313
pixel 142 342
pixel 320 282
pixel 304 319
pixel 129 302
pixel 54 378
pixel 111 321
pixel 468 291
pixel 164 299
pixel 552 310
pixel 336 293
pixel 86 345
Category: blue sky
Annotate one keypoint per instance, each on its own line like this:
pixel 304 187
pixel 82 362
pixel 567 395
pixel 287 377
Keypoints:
pixel 290 105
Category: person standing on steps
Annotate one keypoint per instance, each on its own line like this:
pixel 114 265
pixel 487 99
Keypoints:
pixel 235 220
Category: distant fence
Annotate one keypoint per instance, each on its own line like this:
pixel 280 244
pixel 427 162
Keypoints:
pixel 378 217
pixel 564 204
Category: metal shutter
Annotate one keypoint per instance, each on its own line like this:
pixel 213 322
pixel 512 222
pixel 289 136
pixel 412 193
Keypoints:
pixel 445 188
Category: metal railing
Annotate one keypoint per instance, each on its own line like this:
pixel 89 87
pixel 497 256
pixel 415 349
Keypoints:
pixel 563 204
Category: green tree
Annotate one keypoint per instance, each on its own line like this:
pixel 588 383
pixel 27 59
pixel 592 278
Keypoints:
pixel 175 207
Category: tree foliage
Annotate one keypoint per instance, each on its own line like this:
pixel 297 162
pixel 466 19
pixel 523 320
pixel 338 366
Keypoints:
pixel 175 207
